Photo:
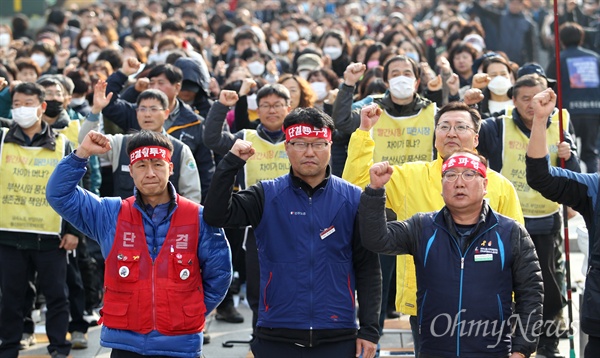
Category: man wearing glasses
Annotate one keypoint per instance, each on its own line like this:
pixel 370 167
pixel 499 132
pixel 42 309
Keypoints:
pixel 269 162
pixel 152 111
pixel 311 258
pixel 469 261
pixel 416 187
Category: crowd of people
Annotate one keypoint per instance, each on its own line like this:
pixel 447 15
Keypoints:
pixel 303 145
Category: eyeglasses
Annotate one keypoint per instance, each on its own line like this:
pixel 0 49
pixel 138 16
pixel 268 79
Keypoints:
pixel 267 107
pixel 467 175
pixel 303 146
pixel 152 110
pixel 459 128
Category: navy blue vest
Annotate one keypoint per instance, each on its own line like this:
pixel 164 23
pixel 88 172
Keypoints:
pixel 464 298
pixel 305 250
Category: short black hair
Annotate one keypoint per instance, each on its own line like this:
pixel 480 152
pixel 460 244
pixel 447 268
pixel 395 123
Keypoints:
pixel 56 17
pixel 401 58
pixel 171 72
pixel 312 116
pixel 113 57
pixel 460 106
pixel 277 89
pixel 571 34
pixel 30 89
pixel 49 81
pixel 145 138
pixel 154 94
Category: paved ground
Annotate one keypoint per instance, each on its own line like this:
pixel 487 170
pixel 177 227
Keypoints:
pixel 221 332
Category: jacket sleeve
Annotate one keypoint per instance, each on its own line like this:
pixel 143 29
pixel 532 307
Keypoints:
pixel 346 120
pixel 389 238
pixel 216 137
pixel 528 289
pixel 5 102
pixel 222 207
pixel 189 179
pixel 360 158
pixel 93 216
pixel 367 271
pixel 577 190
pixel 573 163
pixel 215 263
pixel 121 112
pixel 241 120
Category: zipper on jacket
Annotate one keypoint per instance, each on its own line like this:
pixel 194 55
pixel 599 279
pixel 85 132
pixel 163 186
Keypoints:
pixel 422 311
pixel 462 271
pixel 311 311
pixel 153 298
pixel 265 293
pixel 310 337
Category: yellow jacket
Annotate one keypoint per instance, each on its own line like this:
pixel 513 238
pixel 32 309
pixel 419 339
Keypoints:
pixel 416 187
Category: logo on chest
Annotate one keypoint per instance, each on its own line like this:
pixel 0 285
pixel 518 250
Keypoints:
pixel 485 252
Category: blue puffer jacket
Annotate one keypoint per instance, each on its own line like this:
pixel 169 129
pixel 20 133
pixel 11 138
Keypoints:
pixel 97 218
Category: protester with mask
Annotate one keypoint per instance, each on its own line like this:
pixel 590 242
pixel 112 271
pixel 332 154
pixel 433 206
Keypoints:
pixel 323 81
pixel 495 81
pixel 336 47
pixel 55 114
pixel 24 246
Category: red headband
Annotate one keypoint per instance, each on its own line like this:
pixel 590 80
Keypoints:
pixel 304 130
pixel 149 152
pixel 462 161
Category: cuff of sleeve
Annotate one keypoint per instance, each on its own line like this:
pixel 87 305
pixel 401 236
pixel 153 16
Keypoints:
pixel 93 117
pixel 79 162
pixel 374 192
pixel 234 160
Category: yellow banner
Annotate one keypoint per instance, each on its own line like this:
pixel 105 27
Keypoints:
pixel 401 140
pixel 268 162
pixel 25 172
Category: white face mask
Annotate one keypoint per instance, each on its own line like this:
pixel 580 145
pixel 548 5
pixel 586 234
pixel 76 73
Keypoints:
pixel 40 59
pixel 333 52
pixel 275 48
pixel 305 32
pixel 25 117
pixel 4 40
pixel 293 36
pixel 402 87
pixel 414 56
pixel 85 41
pixel 144 21
pixel 93 56
pixel 162 57
pixel 256 68
pixel 75 102
pixel 252 104
pixel 499 85
pixel 320 89
pixel 284 46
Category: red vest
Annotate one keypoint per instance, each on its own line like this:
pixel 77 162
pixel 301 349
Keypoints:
pixel 164 295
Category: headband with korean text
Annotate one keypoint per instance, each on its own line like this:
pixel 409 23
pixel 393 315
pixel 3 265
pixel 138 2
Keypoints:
pixel 304 130
pixel 149 152
pixel 462 161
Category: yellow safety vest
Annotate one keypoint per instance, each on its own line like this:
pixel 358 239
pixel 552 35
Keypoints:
pixel 268 162
pixel 515 144
pixel 405 139
pixel 71 132
pixel 25 172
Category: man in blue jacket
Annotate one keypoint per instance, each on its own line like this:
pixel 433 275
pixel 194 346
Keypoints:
pixel 182 123
pixel 310 255
pixel 469 260
pixel 165 267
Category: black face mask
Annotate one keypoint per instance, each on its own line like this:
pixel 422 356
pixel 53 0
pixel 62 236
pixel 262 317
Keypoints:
pixel 53 108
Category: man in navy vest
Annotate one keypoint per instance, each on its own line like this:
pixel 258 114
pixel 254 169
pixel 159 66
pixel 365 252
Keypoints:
pixel 469 260
pixel 310 255
pixel 166 269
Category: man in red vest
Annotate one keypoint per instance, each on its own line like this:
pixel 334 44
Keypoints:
pixel 165 268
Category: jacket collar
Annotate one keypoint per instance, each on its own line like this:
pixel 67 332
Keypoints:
pixel 395 110
pixel 46 138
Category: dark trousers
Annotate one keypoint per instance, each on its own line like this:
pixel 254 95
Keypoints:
pixel 51 267
pixel 236 240
pixel 586 128
pixel 553 297
pixel 414 327
pixel 76 297
pixel 262 348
